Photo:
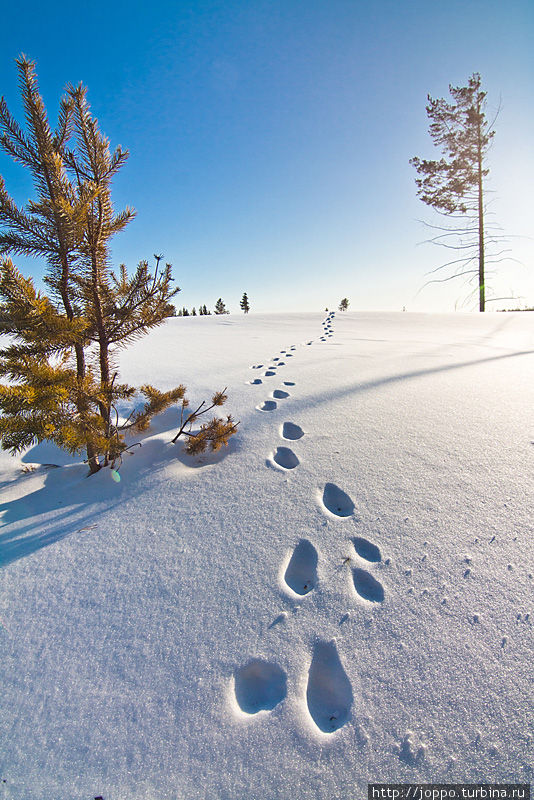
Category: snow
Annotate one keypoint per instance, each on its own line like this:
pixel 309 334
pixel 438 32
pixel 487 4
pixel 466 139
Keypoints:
pixel 343 596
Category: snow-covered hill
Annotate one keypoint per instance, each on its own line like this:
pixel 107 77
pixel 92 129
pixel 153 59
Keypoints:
pixel 344 595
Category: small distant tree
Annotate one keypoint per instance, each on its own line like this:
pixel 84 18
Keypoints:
pixel 206 311
pixel 194 312
pixel 220 307
pixel 344 304
pixel 244 304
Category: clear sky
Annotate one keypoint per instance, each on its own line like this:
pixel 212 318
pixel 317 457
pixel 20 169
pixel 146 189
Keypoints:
pixel 269 139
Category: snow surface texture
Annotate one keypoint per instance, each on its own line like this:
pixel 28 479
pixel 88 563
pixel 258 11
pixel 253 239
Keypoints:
pixel 343 595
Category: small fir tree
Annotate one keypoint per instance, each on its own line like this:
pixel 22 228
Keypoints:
pixel 344 304
pixel 60 360
pixel 244 304
pixel 220 307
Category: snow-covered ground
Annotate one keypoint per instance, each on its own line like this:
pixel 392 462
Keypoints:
pixel 343 596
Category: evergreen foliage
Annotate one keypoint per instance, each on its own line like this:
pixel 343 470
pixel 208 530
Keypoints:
pixel 63 384
pixel 454 184
pixel 344 304
pixel 220 307
pixel 244 304
pixel 213 434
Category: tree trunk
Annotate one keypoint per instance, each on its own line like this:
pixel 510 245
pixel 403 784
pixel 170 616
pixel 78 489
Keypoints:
pixel 481 279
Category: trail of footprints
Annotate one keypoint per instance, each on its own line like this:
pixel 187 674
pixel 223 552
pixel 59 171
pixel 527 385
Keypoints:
pixel 284 458
pixel 260 685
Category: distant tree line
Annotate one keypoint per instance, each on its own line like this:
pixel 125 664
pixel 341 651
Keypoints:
pixel 220 308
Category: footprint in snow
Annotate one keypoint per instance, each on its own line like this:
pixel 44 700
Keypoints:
pixel 289 383
pixel 256 366
pixel 329 694
pixel 284 458
pixel 267 405
pixel 337 501
pixel 281 363
pixel 291 431
pixel 268 373
pixel 366 550
pixel 301 572
pixel 255 382
pixel 367 587
pixel 259 686
pixel 279 394
pixel 408 751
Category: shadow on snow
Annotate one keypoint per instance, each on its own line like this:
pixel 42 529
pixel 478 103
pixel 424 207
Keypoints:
pixel 70 501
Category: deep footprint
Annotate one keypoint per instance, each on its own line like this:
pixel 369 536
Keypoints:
pixel 329 693
pixel 366 549
pixel 255 382
pixel 269 373
pixel 267 405
pixel 367 586
pixel 289 383
pixel 285 458
pixel 301 572
pixel 280 395
pixel 291 431
pixel 259 686
pixel 337 501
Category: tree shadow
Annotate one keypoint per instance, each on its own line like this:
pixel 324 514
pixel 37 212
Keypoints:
pixel 63 505
pixel 69 501
pixel 367 386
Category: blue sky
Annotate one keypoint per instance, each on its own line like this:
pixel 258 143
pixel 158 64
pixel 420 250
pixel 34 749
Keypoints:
pixel 269 141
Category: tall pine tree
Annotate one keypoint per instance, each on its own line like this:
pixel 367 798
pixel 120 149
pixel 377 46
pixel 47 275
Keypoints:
pixel 244 304
pixel 454 185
